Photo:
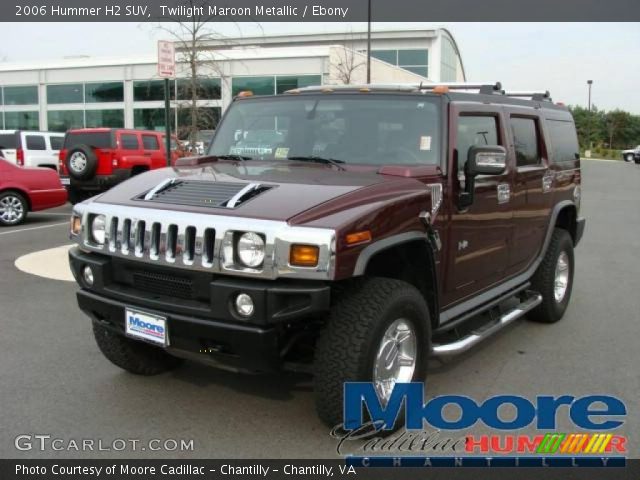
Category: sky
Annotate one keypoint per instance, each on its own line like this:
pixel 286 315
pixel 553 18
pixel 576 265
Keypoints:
pixel 559 57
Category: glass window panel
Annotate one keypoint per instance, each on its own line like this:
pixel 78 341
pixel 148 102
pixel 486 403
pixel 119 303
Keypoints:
pixel 27 95
pixel 56 142
pixel 525 141
pixel 412 57
pixel 208 118
pixel 35 142
pixel 63 120
pixel 151 90
pixel 474 131
pixel 150 142
pixel 564 141
pixel 129 141
pixel 418 70
pixel 206 89
pixel 389 56
pixel 113 118
pixel 67 93
pixel 22 120
pixel 93 139
pixel 104 92
pixel 258 85
pixel 290 82
pixel 151 118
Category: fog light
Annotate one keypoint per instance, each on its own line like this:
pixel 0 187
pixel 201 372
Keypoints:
pixel 244 305
pixel 87 274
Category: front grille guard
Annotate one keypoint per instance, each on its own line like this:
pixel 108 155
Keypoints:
pixel 195 241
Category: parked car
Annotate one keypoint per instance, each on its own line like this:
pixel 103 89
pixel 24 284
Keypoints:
pixel 93 160
pixel 354 246
pixel 632 155
pixel 31 149
pixel 24 190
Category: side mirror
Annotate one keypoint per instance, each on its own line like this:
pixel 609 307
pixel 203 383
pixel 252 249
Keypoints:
pixel 486 160
pixel 483 160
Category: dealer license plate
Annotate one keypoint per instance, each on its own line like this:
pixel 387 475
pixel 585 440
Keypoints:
pixel 65 180
pixel 145 326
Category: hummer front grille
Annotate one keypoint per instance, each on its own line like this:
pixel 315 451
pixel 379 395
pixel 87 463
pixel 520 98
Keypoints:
pixel 197 241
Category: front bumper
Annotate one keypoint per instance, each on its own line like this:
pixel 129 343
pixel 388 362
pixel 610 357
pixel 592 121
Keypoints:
pixel 202 322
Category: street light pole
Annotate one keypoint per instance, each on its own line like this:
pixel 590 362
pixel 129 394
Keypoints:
pixel 589 82
pixel 369 42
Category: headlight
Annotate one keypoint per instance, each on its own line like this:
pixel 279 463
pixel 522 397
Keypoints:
pixel 250 249
pixel 98 229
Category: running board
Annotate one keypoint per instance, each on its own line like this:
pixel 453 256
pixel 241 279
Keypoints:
pixel 475 337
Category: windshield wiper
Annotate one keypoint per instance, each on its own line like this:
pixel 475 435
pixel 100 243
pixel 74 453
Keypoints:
pixel 233 157
pixel 313 158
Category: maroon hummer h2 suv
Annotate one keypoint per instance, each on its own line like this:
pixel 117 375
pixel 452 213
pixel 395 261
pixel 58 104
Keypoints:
pixel 350 232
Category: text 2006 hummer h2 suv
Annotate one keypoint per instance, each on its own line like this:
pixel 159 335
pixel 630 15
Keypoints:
pixel 348 231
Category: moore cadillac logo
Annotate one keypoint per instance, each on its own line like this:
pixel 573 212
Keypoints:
pixel 430 428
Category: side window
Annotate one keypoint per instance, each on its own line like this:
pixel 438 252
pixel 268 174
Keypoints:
pixel 129 141
pixel 150 142
pixel 473 131
pixel 35 142
pixel 564 140
pixel 525 141
pixel 56 142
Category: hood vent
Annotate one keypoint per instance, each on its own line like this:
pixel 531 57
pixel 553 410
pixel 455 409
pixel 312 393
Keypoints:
pixel 203 194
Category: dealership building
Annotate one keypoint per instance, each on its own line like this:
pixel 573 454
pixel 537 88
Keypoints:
pixel 126 91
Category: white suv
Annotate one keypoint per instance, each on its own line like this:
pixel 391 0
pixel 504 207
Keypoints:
pixel 31 149
pixel 632 155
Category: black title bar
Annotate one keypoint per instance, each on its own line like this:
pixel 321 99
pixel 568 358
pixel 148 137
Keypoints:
pixel 319 10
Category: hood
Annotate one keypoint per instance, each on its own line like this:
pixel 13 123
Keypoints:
pixel 266 190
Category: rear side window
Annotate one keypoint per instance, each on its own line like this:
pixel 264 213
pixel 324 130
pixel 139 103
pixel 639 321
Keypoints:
pixel 92 139
pixel 129 141
pixel 8 141
pixel 475 131
pixel 564 141
pixel 35 142
pixel 56 142
pixel 150 142
pixel 525 141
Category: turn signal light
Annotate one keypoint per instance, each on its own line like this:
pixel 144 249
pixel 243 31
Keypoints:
pixel 358 237
pixel 304 255
pixel 245 93
pixel 76 225
pixel 440 89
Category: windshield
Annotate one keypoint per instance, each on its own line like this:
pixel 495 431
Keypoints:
pixel 358 129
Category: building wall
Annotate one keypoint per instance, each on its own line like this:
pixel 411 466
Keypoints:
pixel 281 63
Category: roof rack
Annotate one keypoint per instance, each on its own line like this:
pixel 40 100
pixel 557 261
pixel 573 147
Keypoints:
pixel 540 96
pixel 482 87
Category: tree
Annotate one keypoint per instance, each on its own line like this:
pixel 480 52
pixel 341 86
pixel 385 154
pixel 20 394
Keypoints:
pixel 194 52
pixel 348 61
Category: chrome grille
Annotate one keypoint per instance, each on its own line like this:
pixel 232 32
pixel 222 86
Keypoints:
pixel 195 240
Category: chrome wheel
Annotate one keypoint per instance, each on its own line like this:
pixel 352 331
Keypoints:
pixel 562 277
pixel 395 360
pixel 11 209
pixel 629 158
pixel 78 162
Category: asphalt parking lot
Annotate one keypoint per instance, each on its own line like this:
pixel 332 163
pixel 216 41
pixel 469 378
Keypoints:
pixel 54 381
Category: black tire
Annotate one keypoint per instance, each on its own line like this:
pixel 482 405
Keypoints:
pixel 75 195
pixel 133 356
pixel 629 157
pixel 13 208
pixel 84 169
pixel 347 347
pixel 543 281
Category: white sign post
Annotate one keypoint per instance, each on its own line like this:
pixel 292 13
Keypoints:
pixel 166 59
pixel 167 70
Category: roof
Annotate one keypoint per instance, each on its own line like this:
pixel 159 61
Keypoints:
pixel 246 53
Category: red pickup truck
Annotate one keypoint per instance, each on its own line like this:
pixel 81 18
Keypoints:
pixel 93 160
